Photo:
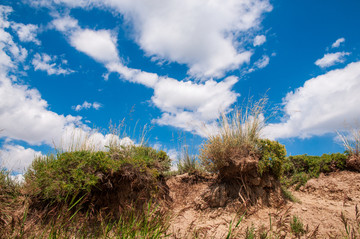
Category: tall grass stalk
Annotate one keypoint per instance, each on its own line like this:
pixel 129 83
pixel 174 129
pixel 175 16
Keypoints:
pixel 351 141
pixel 240 130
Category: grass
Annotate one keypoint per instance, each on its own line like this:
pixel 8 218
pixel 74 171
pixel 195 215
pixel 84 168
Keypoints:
pixel 88 191
pixel 297 227
pixel 238 133
pixel 188 163
pixel 351 142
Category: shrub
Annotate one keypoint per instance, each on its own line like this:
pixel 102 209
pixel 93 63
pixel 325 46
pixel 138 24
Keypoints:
pixel 298 169
pixel 70 176
pixel 9 198
pixel 238 134
pixel 272 157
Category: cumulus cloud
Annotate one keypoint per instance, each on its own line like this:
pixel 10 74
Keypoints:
pixel 24 115
pixel 338 42
pixel 184 104
pixel 44 62
pixel 16 158
pixel 10 52
pixel 26 33
pixel 75 138
pixel 86 105
pixel 259 40
pixel 323 105
pixel 201 34
pixel 99 45
pixel 190 105
pixel 331 59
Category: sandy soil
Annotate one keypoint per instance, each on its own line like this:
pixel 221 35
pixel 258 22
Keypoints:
pixel 322 201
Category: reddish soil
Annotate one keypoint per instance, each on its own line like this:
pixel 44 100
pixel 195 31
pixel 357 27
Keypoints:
pixel 322 201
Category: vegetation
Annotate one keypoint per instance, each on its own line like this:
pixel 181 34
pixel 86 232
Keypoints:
pixel 300 168
pixel 351 142
pixel 188 163
pixel 238 134
pixel 87 192
pixel 272 157
pixel 297 227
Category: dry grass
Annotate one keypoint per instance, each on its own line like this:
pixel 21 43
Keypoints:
pixel 351 142
pixel 238 131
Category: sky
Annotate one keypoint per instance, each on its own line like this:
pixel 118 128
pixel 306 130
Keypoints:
pixel 166 69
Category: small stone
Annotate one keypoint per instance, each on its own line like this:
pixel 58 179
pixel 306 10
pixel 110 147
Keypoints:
pixel 304 209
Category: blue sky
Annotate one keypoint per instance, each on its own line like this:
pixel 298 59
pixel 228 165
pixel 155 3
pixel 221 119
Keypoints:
pixel 67 67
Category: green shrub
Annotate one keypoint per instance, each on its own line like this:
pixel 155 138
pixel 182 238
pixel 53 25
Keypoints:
pixel 272 157
pixel 65 176
pixel 298 169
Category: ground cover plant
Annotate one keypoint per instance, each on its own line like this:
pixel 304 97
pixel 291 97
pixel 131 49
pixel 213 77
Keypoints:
pixel 299 169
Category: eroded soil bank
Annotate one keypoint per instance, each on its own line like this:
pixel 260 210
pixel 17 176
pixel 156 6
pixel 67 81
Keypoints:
pixel 321 202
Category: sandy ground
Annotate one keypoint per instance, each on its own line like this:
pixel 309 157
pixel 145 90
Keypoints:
pixel 322 201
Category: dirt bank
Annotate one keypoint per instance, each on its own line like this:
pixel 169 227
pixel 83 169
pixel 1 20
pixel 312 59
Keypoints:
pixel 321 202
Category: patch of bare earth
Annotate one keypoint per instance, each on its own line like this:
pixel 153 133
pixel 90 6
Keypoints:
pixel 322 200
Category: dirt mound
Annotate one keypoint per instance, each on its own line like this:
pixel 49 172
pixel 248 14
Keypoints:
pixel 207 205
pixel 322 201
pixel 353 162
pixel 340 186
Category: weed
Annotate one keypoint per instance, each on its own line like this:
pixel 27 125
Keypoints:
pixel 297 227
pixel 288 195
pixel 250 232
pixel 352 228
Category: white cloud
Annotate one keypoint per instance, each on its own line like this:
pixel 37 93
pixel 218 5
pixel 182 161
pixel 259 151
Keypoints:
pixel 44 62
pixel 182 103
pixel 202 34
pixel 259 40
pixel 338 42
pixel 99 45
pixel 16 158
pixel 66 24
pixel 86 105
pixel 26 33
pixel 134 75
pixel 24 115
pixel 331 59
pixel 323 105
pixel 77 138
pixel 189 105
pixel 10 53
pixel 262 62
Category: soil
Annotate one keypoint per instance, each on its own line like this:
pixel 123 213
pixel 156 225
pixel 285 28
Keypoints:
pixel 321 202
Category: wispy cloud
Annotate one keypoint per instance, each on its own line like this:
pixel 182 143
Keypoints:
pixel 86 105
pixel 26 33
pixel 338 42
pixel 331 59
pixel 45 62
